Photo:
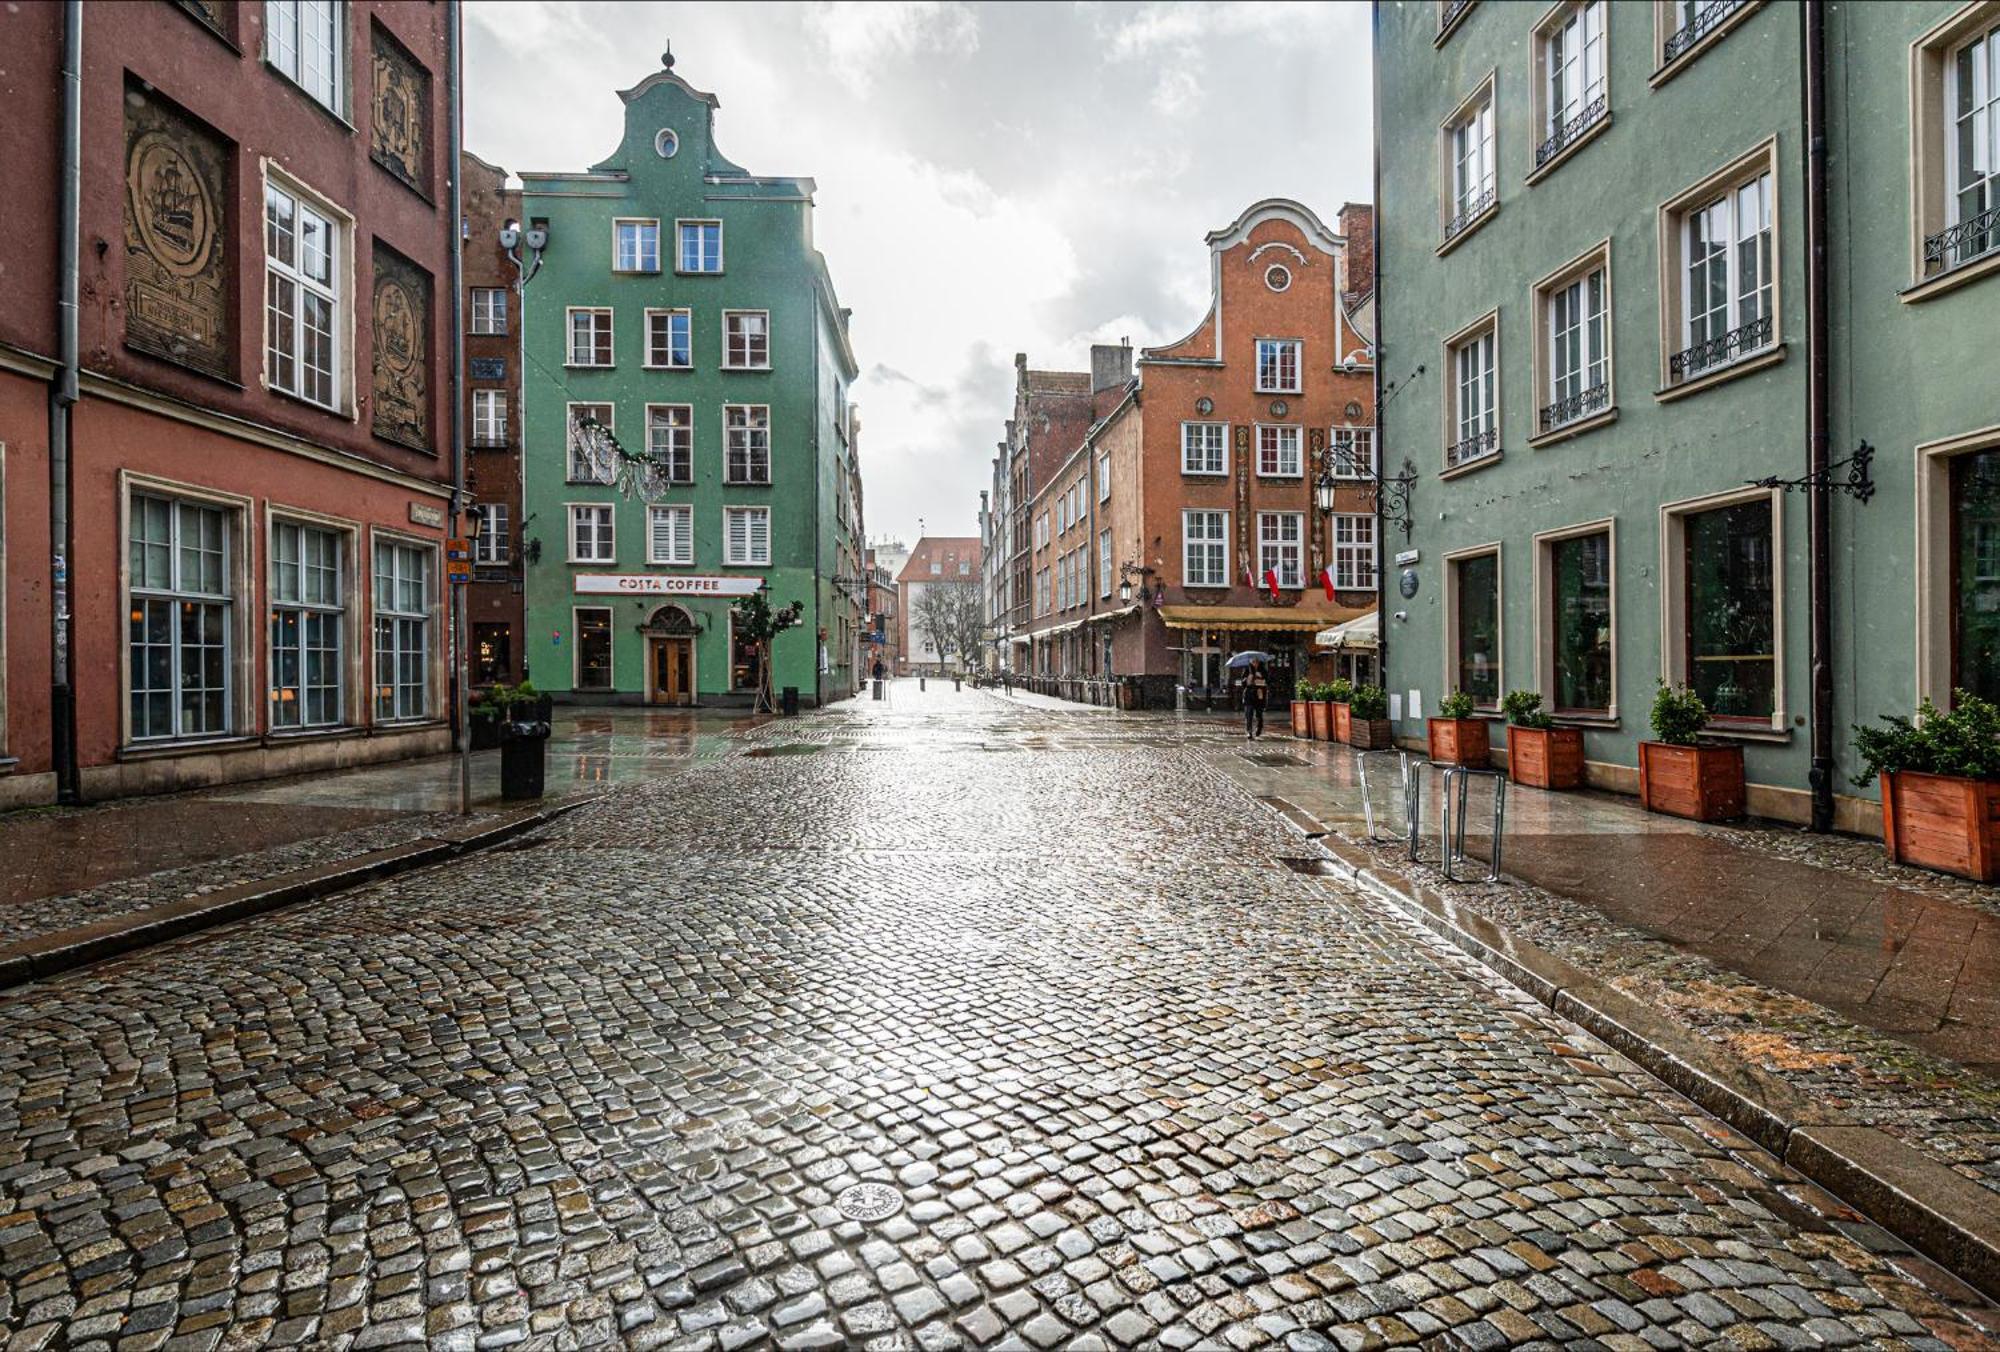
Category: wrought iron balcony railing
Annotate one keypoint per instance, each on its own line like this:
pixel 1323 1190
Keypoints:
pixel 1699 27
pixel 1449 12
pixel 1571 131
pixel 1572 408
pixel 1475 447
pixel 1974 237
pixel 1476 207
pixel 1721 349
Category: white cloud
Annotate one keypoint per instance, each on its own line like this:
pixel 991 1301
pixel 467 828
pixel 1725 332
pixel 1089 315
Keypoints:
pixel 864 38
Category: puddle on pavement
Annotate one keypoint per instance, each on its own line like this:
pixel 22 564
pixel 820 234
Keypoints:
pixel 1318 868
pixel 1274 759
pixel 788 749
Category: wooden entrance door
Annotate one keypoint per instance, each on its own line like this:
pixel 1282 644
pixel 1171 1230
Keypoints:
pixel 673 671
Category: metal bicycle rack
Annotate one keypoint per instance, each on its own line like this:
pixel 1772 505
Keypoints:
pixel 1413 796
pixel 1459 778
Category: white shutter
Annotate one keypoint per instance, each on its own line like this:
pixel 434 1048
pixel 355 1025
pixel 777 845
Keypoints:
pixel 683 534
pixel 760 535
pixel 738 545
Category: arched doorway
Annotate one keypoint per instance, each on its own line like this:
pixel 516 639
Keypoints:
pixel 669 634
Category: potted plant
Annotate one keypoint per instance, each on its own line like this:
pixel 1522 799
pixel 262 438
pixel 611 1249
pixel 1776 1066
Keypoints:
pixel 1540 754
pixel 1368 719
pixel 1302 699
pixel 1940 786
pixel 1680 774
pixel 1455 736
pixel 522 713
pixel 1339 700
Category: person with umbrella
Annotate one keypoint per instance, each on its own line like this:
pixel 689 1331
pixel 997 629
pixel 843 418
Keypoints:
pixel 1256 691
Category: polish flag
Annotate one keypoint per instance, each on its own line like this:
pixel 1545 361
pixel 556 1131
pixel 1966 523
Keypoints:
pixel 1326 580
pixel 1271 580
pixel 1249 576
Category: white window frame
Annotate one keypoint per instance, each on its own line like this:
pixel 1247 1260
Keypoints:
pixel 1669 19
pixel 1194 436
pixel 1573 38
pixel 1482 333
pixel 1673 595
pixel 601 532
pixel 1347 463
pixel 1468 167
pixel 684 452
pixel 1272 375
pixel 307 608
pixel 1192 574
pixel 634 260
pixel 729 341
pixel 1104 478
pixel 400 618
pixel 755 418
pixel 1288 451
pixel 296 32
pixel 749 557
pixel 1547 298
pixel 610 335
pixel 495 544
pixel 654 350
pixel 1286 548
pixel 1103 564
pixel 569 422
pixel 489 418
pixel 1355 558
pixel 680 540
pixel 680 254
pixel 489 311
pixel 175 594
pixel 1935 177
pixel 295 278
pixel 1676 217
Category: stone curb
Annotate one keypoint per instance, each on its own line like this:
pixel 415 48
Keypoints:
pixel 1919 1200
pixel 65 950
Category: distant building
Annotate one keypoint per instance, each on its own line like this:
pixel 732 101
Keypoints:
pixel 936 561
pixel 1051 414
pixel 492 414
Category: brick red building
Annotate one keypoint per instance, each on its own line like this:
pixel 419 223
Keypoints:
pixel 256 435
pixel 492 383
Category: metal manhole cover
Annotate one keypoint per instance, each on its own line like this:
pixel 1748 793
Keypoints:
pixel 869 1202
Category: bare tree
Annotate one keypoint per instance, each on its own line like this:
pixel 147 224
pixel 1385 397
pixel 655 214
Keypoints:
pixel 946 615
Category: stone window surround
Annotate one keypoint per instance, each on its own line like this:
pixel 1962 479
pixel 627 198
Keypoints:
pixel 1933 557
pixel 1665 27
pixel 1673 600
pixel 1448 402
pixel 355 692
pixel 436 638
pixel 1544 627
pixel 1541 359
pixel 345 289
pixel 1928 148
pixel 1538 84
pixel 1485 94
pixel 1760 158
pixel 1452 558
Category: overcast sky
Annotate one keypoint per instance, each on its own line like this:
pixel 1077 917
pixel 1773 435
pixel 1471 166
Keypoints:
pixel 992 179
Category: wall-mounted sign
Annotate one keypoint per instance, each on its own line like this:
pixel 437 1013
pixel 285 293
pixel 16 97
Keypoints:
pixel 426 514
pixel 659 584
pixel 1408 584
pixel 489 368
pixel 1407 557
pixel 1353 410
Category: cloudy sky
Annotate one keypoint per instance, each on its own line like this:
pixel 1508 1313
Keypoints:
pixel 992 179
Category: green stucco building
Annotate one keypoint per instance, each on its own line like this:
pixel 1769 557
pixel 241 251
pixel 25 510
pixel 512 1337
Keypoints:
pixel 1593 237
pixel 682 313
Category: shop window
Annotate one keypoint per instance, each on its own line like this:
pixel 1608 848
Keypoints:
pixel 181 621
pixel 593 648
pixel 1975 574
pixel 1579 656
pixel 306 626
pixel 1474 615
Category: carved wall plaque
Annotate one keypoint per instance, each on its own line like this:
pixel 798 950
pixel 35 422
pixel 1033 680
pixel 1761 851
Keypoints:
pixel 399 134
pixel 176 236
pixel 402 350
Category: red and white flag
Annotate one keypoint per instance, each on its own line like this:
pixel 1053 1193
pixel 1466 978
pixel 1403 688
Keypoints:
pixel 1271 580
pixel 1326 580
pixel 1249 576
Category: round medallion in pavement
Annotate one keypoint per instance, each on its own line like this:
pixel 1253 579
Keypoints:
pixel 869 1202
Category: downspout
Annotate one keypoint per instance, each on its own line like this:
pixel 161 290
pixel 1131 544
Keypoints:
pixel 819 692
pixel 63 396
pixel 461 732
pixel 1381 421
pixel 1818 403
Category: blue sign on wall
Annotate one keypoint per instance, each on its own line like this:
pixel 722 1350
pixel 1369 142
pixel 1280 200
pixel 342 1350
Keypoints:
pixel 489 368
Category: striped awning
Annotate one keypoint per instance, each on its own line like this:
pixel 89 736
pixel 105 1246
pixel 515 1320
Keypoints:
pixel 1259 619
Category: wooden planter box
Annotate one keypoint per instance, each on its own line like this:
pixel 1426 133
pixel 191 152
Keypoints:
pixel 1343 730
pixel 1943 822
pixel 1370 734
pixel 1459 741
pixel 1320 720
pixel 1545 758
pixel 1704 783
pixel 1299 725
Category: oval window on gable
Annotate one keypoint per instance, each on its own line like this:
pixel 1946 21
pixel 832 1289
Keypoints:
pixel 1277 277
pixel 666 143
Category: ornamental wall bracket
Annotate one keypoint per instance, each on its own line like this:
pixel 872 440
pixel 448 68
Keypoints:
pixel 1859 483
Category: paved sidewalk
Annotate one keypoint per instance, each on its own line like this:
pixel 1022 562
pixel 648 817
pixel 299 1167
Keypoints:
pixel 1864 986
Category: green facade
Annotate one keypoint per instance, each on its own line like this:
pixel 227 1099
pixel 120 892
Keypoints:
pixel 768 264
pixel 1692 596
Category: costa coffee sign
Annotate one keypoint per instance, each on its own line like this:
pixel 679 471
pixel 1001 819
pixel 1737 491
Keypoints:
pixel 659 584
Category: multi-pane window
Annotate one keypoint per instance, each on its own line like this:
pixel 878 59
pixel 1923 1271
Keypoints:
pixel 489 417
pixel 495 544
pixel 1580 622
pixel 402 630
pixel 670 533
pixel 589 337
pixel 1204 448
pixel 306 619
pixel 1972 155
pixel 1730 605
pixel 1205 549
pixel 590 533
pixel 489 309
pixel 1354 551
pixel 1573 75
pixel 670 339
pixel 1469 147
pixel 1353 452
pixel 180 618
pixel 746 340
pixel 670 441
pixel 303 38
pixel 1726 278
pixel 746 443
pixel 1475 403
pixel 635 246
pixel 1278 451
pixel 301 298
pixel 1103 478
pixel 593 647
pixel 587 422
pixel 1579 359
pixel 1278 365
pixel 1476 627
pixel 1104 563
pixel 700 246
pixel 1974 543
pixel 1280 547
pixel 746 535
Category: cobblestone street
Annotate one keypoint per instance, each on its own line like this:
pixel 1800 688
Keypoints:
pixel 942 1021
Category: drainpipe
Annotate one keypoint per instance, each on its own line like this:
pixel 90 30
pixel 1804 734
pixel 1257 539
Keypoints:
pixel 63 396
pixel 1381 419
pixel 819 691
pixel 461 731
pixel 1818 402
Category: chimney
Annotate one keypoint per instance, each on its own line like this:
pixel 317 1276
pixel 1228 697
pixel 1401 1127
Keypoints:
pixel 1110 366
pixel 1357 226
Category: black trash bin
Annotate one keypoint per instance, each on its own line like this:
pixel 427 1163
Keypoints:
pixel 878 687
pixel 524 760
pixel 789 701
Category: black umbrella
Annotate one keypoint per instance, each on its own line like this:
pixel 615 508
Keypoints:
pixel 1245 659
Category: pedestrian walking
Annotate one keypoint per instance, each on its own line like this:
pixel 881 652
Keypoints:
pixel 1256 692
pixel 879 668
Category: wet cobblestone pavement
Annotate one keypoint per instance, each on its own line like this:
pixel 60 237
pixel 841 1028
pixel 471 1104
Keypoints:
pixel 1123 1077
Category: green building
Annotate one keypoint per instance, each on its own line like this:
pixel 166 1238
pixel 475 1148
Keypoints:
pixel 688 437
pixel 1593 237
